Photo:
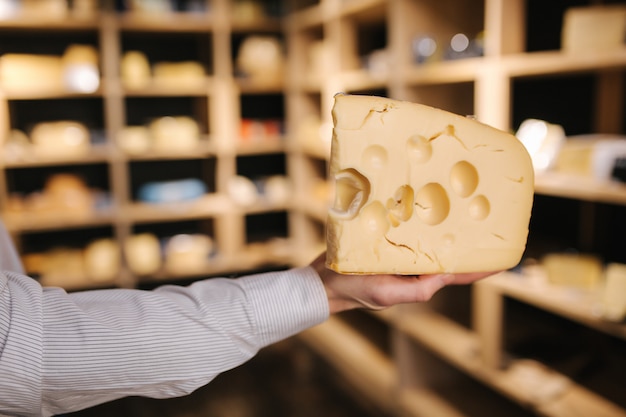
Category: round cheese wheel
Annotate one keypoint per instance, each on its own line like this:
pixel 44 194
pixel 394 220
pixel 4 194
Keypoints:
pixel 102 260
pixel 143 253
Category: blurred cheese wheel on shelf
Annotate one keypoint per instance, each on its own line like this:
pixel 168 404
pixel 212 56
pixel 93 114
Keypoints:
pixel 68 193
pixel 134 140
pixel 80 68
pixel 187 252
pixel 242 190
pixel 143 253
pixel 60 139
pixel 28 72
pixel 174 133
pixel 574 270
pixel 178 74
pixel 102 260
pixel 276 189
pixel 135 70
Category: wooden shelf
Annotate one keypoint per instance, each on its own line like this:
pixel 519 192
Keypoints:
pixel 264 25
pixel 156 89
pixel 45 23
pixel 582 306
pixel 524 381
pixel 484 86
pixel 368 369
pixel 96 155
pixel 166 22
pixel 205 149
pixel 47 221
pixel 208 206
pixel 308 18
pixel 213 101
pixel 447 72
pixel 580 188
pixel 360 80
pixel 50 93
pixel 550 63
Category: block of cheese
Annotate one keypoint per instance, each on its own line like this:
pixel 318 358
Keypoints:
pixel 63 138
pixel 589 29
pixel 28 73
pixel 575 270
pixel 614 292
pixel 420 190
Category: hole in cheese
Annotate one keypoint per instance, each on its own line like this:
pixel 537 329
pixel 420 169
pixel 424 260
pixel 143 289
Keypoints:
pixel 375 157
pixel 432 204
pixel 373 219
pixel 419 148
pixel 400 207
pixel 464 178
pixel 479 208
pixel 352 190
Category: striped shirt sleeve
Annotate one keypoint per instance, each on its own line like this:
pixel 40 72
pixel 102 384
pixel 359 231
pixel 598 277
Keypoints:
pixel 64 352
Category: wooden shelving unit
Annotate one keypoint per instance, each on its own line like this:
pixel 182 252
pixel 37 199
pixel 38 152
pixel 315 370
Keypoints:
pixel 211 38
pixel 450 356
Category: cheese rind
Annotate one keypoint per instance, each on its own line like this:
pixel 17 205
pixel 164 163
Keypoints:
pixel 420 190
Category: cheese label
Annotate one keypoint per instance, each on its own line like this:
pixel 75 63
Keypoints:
pixel 421 190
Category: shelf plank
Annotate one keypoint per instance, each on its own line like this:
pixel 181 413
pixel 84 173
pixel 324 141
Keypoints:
pixel 446 72
pixel 208 206
pixel 308 18
pixel 206 148
pixel 48 93
pixel 421 401
pixel 364 10
pixel 361 79
pixel 577 305
pixel 46 221
pixel 266 24
pixel 96 155
pixel 156 89
pixel 267 146
pixel 559 62
pixel 527 382
pixel 166 22
pixel 366 368
pixel 580 188
pixel 43 23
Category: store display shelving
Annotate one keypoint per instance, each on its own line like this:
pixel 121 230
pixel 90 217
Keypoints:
pixel 453 356
pixel 209 37
pixel 460 335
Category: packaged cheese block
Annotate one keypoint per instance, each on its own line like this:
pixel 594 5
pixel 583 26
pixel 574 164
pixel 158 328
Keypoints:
pixel 420 190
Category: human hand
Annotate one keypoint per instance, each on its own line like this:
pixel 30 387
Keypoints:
pixel 377 292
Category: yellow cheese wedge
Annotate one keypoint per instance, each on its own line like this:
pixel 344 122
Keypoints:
pixel 420 190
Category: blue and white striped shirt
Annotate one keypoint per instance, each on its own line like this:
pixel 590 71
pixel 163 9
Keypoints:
pixel 63 352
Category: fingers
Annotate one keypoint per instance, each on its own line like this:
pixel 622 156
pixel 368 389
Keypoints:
pixel 461 279
pixel 397 289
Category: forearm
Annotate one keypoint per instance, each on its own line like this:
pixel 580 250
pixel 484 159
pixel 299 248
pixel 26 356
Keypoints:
pixel 101 345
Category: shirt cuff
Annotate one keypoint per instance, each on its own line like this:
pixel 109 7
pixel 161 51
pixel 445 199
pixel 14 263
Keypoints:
pixel 286 302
